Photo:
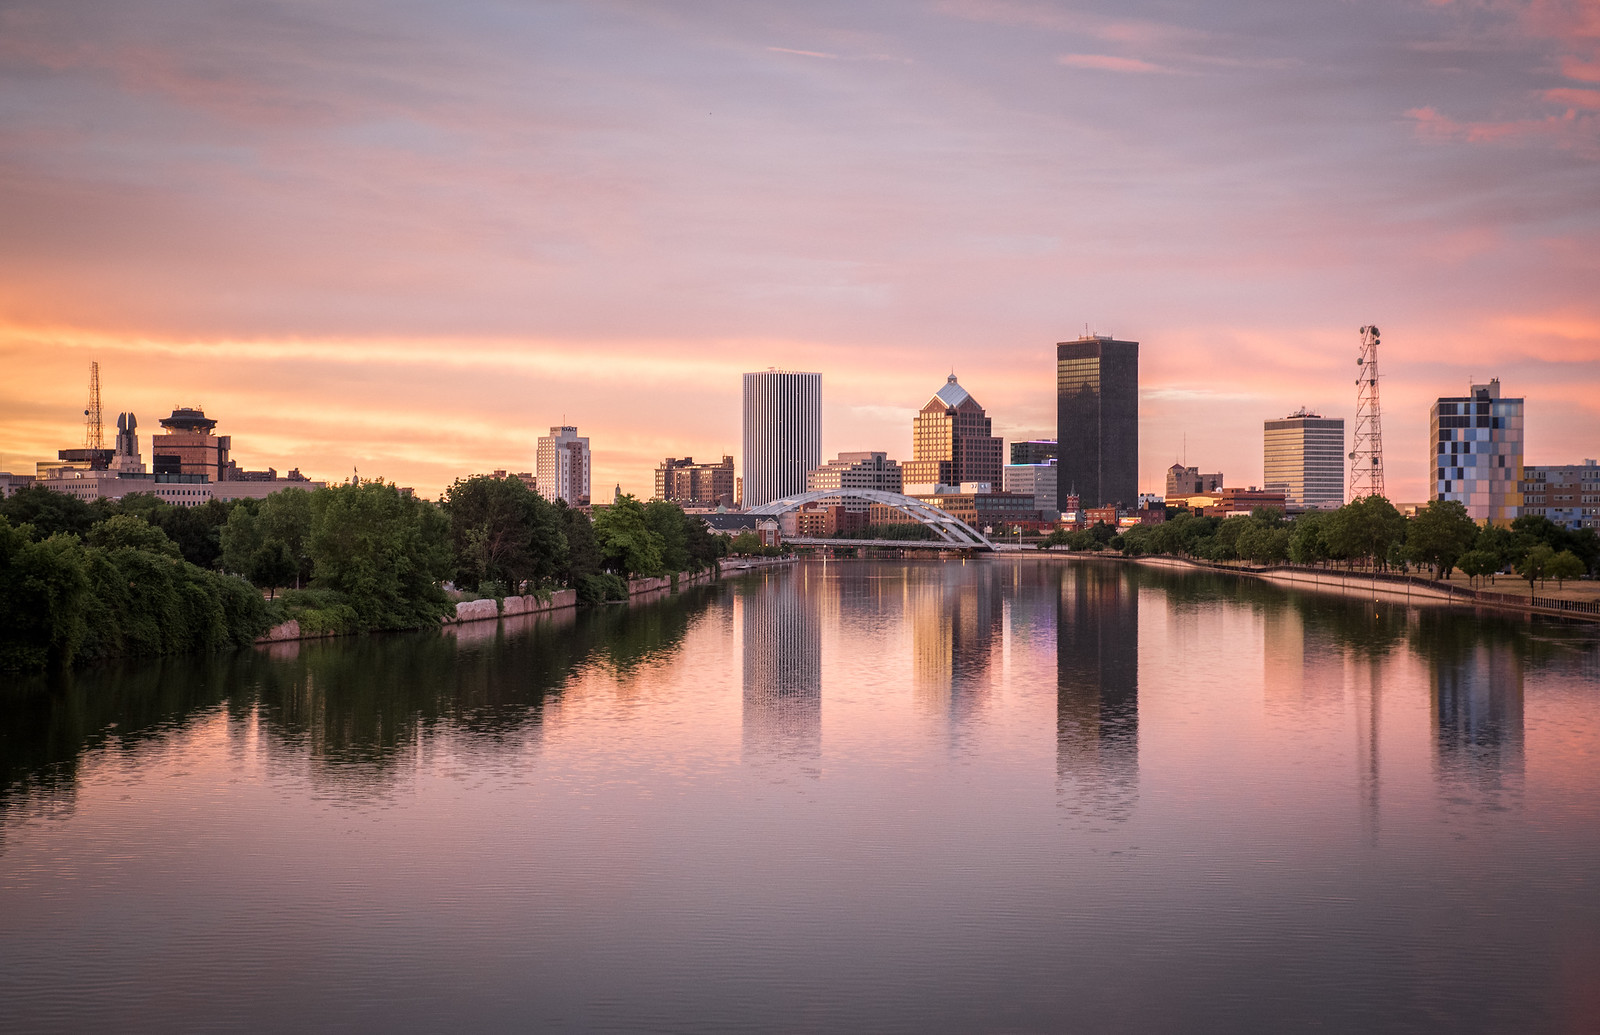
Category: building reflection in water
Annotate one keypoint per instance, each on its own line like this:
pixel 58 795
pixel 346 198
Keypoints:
pixel 1097 690
pixel 781 624
pixel 1477 716
pixel 956 621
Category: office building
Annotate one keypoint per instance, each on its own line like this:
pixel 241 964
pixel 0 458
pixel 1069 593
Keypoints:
pixel 1188 481
pixel 1034 451
pixel 867 470
pixel 188 445
pixel 689 484
pixel 1568 494
pixel 561 466
pixel 952 443
pixel 1097 420
pixel 1476 452
pixel 1303 458
pixel 782 433
pixel 1036 480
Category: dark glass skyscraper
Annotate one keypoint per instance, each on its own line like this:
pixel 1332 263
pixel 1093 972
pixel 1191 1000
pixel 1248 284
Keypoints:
pixel 1097 421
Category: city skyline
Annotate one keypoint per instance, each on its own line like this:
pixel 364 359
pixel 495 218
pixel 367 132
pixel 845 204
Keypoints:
pixel 379 240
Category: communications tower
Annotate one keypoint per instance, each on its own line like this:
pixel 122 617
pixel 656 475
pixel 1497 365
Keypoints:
pixel 1366 459
pixel 92 435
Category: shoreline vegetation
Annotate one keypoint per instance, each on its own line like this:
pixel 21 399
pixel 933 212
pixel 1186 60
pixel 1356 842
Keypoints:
pixel 137 577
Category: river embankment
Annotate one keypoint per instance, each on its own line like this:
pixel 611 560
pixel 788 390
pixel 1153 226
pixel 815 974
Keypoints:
pixel 1352 583
pixel 493 608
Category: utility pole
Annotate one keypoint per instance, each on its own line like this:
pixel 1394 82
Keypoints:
pixel 1366 459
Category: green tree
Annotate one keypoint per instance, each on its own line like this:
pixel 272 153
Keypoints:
pixel 124 531
pixel 42 590
pixel 503 532
pixel 627 545
pixel 1365 529
pixel 241 539
pixel 1475 564
pixel 48 512
pixel 1306 542
pixel 1440 533
pixel 668 522
pixel 285 517
pixel 1534 565
pixel 384 550
pixel 1564 565
pixel 583 552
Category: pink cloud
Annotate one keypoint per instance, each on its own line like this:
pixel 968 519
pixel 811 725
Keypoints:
pixel 1111 63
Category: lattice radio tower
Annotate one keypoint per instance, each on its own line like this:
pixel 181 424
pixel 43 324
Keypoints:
pixel 92 436
pixel 1366 460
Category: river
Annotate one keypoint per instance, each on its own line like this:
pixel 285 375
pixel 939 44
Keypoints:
pixel 995 795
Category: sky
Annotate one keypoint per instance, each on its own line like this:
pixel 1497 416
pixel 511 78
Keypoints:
pixel 407 238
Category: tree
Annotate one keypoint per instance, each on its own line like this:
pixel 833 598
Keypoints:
pixel 583 552
pixel 1475 564
pixel 1535 564
pixel 1440 533
pixel 667 521
pixel 1306 542
pixel 384 550
pixel 42 590
pixel 627 545
pixel 48 512
pixel 271 566
pixel 1564 565
pixel 285 517
pixel 126 532
pixel 1364 529
pixel 500 531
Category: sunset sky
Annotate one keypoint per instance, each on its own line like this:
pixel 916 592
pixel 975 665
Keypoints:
pixel 409 237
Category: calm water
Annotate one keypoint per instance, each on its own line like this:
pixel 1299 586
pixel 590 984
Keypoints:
pixel 923 796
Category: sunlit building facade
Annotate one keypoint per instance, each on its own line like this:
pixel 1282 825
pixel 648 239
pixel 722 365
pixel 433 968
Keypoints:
pixel 952 443
pixel 561 466
pixel 1303 458
pixel 1476 442
pixel 782 433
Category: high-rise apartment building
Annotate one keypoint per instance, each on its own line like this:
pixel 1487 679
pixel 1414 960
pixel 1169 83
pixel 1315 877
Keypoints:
pixel 1097 420
pixel 951 442
pixel 1476 452
pixel 1568 494
pixel 1188 481
pixel 687 483
pixel 561 466
pixel 782 433
pixel 867 470
pixel 1303 458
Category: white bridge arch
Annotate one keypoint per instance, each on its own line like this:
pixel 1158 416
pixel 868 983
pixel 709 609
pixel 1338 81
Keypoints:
pixel 947 527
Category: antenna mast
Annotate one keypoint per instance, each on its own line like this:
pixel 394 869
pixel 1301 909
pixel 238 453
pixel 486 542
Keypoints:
pixel 92 437
pixel 1366 461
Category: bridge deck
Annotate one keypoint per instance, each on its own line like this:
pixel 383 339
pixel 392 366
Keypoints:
pixel 891 544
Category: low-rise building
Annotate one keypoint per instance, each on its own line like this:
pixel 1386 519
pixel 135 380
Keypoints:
pixel 11 484
pixel 1568 494
pixel 1189 481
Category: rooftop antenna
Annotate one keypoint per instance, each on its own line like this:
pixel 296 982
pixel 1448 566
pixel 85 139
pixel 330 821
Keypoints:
pixel 93 438
pixel 1366 460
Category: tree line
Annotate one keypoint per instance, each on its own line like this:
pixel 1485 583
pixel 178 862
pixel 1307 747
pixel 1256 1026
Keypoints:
pixel 1369 532
pixel 137 576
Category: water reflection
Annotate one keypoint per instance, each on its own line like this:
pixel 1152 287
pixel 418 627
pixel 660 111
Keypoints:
pixel 1097 690
pixel 781 624
pixel 354 706
pixel 956 621
pixel 1476 684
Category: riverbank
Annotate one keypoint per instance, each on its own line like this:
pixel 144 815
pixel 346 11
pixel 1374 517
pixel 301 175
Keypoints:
pixel 492 609
pixel 1367 584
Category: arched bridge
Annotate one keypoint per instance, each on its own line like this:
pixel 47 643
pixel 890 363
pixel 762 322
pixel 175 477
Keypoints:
pixel 952 530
